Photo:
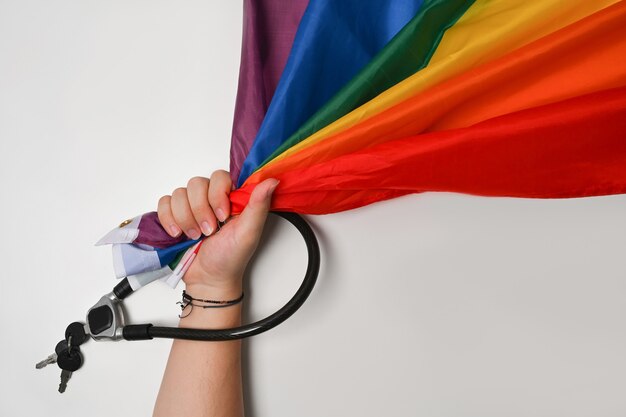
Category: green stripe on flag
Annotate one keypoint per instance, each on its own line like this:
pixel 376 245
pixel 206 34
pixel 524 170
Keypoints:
pixel 408 52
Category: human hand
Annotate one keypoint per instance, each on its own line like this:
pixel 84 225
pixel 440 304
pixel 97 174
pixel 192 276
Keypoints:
pixel 218 268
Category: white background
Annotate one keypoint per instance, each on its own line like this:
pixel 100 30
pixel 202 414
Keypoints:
pixel 430 305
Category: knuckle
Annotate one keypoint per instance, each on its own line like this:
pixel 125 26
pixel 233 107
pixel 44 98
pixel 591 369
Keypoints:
pixel 164 200
pixel 220 173
pixel 196 181
pixel 179 192
pixel 221 179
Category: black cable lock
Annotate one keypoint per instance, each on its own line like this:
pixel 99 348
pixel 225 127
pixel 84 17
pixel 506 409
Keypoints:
pixel 105 320
pixel 148 331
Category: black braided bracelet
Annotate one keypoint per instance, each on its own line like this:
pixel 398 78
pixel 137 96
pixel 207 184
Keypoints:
pixel 188 300
pixel 187 297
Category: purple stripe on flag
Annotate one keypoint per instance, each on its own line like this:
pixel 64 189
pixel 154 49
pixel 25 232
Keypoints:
pixel 269 27
pixel 151 232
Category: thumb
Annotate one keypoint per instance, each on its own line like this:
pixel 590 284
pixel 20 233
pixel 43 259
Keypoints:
pixel 253 216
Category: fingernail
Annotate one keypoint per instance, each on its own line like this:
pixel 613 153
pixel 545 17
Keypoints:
pixel 206 228
pixel 193 233
pixel 175 230
pixel 220 214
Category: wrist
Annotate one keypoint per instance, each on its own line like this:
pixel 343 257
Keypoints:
pixel 194 315
pixel 212 290
pixel 212 285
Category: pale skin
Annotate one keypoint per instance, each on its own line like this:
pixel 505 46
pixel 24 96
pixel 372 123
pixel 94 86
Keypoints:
pixel 204 378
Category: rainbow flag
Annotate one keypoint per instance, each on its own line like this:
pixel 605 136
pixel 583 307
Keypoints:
pixel 352 102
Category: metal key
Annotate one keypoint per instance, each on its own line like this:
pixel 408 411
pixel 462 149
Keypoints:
pixel 65 377
pixel 62 345
pixel 49 360
pixel 69 360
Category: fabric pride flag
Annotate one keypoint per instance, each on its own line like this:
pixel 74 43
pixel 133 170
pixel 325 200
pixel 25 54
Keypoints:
pixel 361 101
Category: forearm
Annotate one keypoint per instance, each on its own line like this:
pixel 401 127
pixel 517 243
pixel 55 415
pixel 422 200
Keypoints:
pixel 204 378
